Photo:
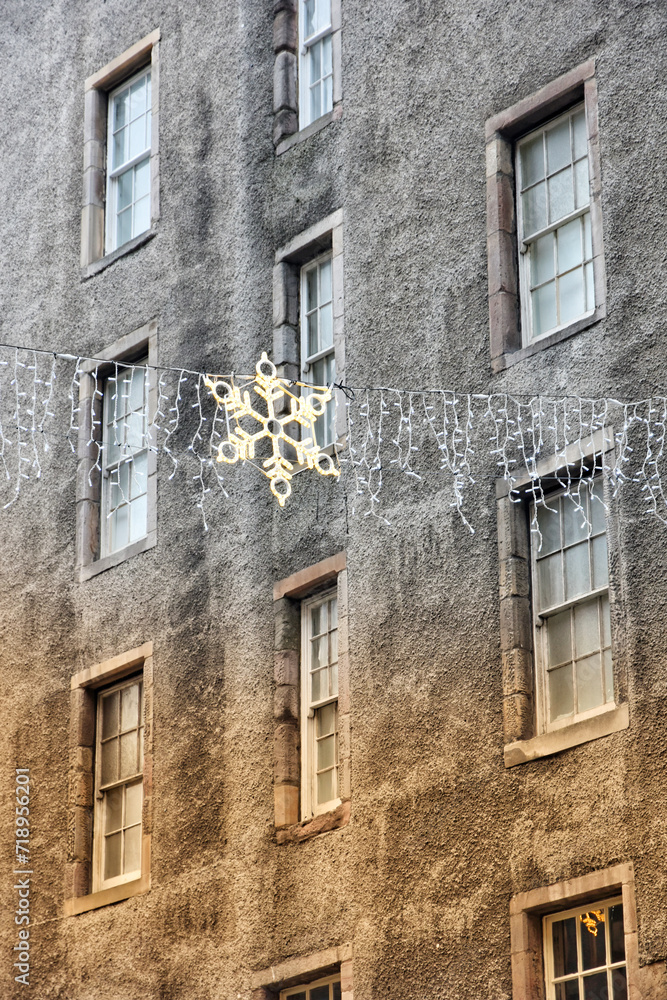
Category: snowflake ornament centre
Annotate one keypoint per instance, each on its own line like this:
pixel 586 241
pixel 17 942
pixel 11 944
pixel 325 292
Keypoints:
pixel 274 425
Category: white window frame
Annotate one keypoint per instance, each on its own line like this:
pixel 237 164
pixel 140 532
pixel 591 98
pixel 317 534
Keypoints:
pixel 306 988
pixel 114 174
pixel 99 882
pixel 577 911
pixel 308 360
pixel 309 805
pixel 525 244
pixel 306 43
pixel 540 630
pixel 110 468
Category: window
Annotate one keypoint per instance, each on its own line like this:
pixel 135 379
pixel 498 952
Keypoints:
pixel 307 47
pixel 308 339
pixel 128 161
pixel 584 953
pixel 119 752
pixel 109 811
pixel 561 685
pixel 117 465
pixel 319 692
pixel 311 772
pixel 323 989
pixel 120 168
pixel 554 223
pixel 125 457
pixel 318 363
pixel 577 940
pixel 571 605
pixel 316 60
pixel 544 220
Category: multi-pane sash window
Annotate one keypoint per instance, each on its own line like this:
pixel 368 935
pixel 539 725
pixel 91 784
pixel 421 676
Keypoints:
pixel 320 703
pixel 317 346
pixel 119 783
pixel 316 62
pixel 128 161
pixel 555 225
pixel 571 606
pixel 125 463
pixel 584 952
pixel 323 989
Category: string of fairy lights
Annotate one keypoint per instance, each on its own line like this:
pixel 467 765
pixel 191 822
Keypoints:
pixel 202 423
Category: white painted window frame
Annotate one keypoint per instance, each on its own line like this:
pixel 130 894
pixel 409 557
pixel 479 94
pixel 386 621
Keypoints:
pixel 547 937
pixel 307 987
pixel 540 638
pixel 527 322
pixel 114 174
pixel 309 805
pixel 308 360
pixel 99 882
pixel 305 45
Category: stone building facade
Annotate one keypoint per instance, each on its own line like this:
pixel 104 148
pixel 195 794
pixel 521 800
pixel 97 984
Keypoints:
pixel 468 196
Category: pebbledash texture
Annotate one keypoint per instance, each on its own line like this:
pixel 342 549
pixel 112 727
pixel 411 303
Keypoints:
pixel 310 753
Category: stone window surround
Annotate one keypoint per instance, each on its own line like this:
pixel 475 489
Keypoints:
pixel 501 132
pixel 287 595
pixel 325 235
pixel 266 984
pixel 286 131
pixel 522 740
pixel 97 87
pixel 83 705
pixel 528 908
pixel 88 492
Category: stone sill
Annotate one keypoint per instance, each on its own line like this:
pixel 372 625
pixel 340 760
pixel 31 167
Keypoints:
pixel 108 562
pixel 305 133
pixel 100 265
pixel 508 360
pixel 612 720
pixel 81 904
pixel 299 832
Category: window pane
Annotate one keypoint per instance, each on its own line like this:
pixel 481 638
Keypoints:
pixel 121 103
pixel 593 940
pixel 532 161
pixel 581 183
pixel 589 686
pixel 616 933
pixel 309 9
pixel 137 137
pixel 598 513
pixel 568 990
pixel 620 984
pixel 133 803
pixel 326 720
pixel 561 195
pixel 559 641
pixel 119 149
pixel 138 518
pixel 534 206
pixel 138 98
pixel 326 751
pixel 124 227
pixel 319 652
pixel 544 309
pixel 336 991
pixel 113 809
pixel 109 715
pixel 571 294
pixel 575 528
pixel 320 992
pixel 132 850
pixel 315 62
pixel 315 102
pixel 326 57
pixel 313 339
pixel 318 619
pixel 129 707
pixel 142 216
pixel 119 528
pixel 590 287
pixel 124 190
pixel 141 179
pixel 333 678
pixel 586 628
pixel 558 146
pixel 579 130
pixel 550 579
pixel 112 847
pixel 139 475
pixel 608 676
pixel 577 573
pixel 569 246
pixel 548 519
pixel 327 93
pixel 542 259
pixel 595 987
pixel 600 567
pixel 561 693
pixel 318 685
pixel 325 788
pixel 564 947
pixel 326 326
pixel 128 754
pixel 109 761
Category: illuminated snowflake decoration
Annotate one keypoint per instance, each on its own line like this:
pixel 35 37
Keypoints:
pixel 240 445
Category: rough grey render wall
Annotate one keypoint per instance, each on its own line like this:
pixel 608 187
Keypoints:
pixel 441 835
